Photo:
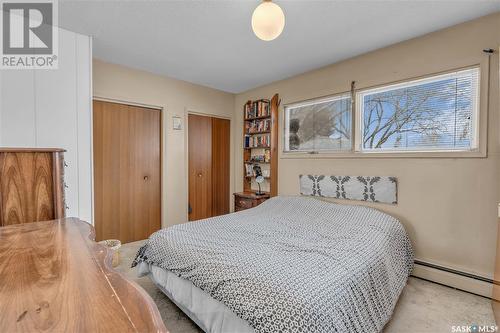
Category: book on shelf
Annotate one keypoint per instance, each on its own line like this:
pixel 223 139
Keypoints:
pixel 258 141
pixel 254 169
pixel 267 156
pixel 257 159
pixel 258 126
pixel 256 109
pixel 249 170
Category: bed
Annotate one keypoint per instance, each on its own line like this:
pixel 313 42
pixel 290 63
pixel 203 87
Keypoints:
pixel 291 264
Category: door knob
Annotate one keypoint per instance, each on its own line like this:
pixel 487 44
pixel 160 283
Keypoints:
pixel 146 178
pixel 200 175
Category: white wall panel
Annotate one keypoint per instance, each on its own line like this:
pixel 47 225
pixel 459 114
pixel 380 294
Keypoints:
pixel 17 105
pixel 84 117
pixel 52 108
pixel 56 111
pixel 1 94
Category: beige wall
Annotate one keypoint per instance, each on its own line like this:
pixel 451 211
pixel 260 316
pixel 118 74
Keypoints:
pixel 448 205
pixel 176 98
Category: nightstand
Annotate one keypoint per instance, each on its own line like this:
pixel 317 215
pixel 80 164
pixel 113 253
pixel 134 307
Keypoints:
pixel 248 199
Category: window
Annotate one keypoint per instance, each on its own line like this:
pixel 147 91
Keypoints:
pixel 319 125
pixel 436 113
pixel 439 113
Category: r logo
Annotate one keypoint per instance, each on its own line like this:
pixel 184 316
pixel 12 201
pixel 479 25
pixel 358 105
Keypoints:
pixel 27 28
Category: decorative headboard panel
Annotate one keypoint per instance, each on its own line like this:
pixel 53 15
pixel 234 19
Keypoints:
pixel 364 188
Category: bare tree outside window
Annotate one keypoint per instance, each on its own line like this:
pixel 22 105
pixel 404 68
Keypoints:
pixel 428 115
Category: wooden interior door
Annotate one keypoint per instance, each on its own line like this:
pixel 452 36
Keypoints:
pixel 200 167
pixel 127 171
pixel 220 166
pixel 209 158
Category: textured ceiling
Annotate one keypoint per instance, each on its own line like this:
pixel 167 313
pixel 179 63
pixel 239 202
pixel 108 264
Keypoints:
pixel 211 42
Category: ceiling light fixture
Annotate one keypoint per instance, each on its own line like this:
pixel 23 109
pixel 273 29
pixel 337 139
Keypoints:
pixel 268 20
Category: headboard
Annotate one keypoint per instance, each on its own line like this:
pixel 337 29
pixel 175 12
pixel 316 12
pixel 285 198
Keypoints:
pixel 364 188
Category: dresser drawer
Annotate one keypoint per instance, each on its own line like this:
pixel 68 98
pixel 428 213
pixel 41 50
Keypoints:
pixel 243 203
pixel 245 200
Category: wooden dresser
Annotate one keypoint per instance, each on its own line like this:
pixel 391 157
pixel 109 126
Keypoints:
pixel 31 185
pixel 248 199
pixel 55 278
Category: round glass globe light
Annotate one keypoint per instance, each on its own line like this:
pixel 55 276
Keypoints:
pixel 268 21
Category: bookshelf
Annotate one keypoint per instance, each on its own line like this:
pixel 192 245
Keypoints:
pixel 260 148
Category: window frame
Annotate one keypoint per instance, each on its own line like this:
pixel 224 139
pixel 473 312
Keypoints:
pixel 478 139
pixel 359 113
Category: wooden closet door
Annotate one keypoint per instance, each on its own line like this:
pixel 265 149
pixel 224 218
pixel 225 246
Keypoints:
pixel 127 176
pixel 200 166
pixel 220 166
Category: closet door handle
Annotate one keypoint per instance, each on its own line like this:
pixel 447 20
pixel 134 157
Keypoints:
pixel 200 175
pixel 146 178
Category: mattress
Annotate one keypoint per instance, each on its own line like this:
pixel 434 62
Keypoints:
pixel 293 264
pixel 209 314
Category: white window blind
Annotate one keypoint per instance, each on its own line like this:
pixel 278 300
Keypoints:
pixel 319 125
pixel 435 113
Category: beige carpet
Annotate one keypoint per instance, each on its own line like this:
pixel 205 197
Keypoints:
pixel 424 307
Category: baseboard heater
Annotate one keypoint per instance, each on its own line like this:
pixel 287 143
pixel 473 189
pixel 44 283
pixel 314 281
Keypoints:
pixel 468 282
pixel 454 271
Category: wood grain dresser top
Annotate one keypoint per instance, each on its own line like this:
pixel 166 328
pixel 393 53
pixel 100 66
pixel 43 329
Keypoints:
pixel 55 278
pixel 31 150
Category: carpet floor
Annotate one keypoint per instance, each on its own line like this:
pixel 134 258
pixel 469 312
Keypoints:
pixel 424 307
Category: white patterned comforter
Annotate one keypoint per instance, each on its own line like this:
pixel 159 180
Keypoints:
pixel 293 264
